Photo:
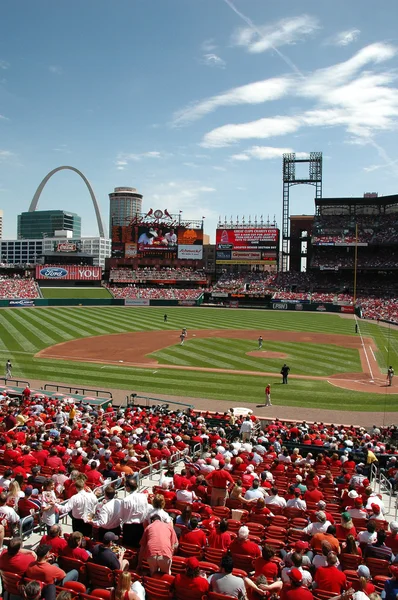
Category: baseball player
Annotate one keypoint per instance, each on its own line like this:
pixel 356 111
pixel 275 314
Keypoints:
pixel 390 375
pixel 8 369
pixel 260 342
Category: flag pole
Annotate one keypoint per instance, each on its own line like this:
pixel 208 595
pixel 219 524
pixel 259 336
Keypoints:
pixel 355 264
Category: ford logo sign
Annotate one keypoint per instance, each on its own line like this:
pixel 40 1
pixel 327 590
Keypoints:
pixel 53 273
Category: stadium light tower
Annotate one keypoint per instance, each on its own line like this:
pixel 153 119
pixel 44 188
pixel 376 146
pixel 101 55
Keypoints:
pixel 289 179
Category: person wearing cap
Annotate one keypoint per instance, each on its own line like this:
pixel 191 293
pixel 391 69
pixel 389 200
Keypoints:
pixel 221 481
pixel 392 537
pixel 329 578
pixel 158 545
pixel 379 549
pixel 345 527
pixel 375 512
pixel 319 526
pixel 103 554
pixel 391 585
pixel 358 512
pixel 242 545
pixel 191 581
pixel 364 587
pixel 295 589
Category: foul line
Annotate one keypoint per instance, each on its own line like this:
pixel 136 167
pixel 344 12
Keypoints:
pixel 364 349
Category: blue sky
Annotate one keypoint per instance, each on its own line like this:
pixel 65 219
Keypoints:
pixel 194 101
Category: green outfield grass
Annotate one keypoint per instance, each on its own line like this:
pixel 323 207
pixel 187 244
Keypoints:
pixel 78 292
pixel 23 332
pixel 224 353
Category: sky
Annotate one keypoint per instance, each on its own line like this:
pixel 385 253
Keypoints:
pixel 194 102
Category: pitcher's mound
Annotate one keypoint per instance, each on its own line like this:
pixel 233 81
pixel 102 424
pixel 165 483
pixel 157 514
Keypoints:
pixel 267 354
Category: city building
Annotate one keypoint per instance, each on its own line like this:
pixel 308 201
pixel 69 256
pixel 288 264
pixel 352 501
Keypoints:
pixel 37 224
pixel 53 249
pixel 1 224
pixel 125 203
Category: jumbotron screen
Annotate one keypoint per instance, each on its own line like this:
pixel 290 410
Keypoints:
pixel 157 241
pixel 247 245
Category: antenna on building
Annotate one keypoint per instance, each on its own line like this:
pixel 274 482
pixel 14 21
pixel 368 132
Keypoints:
pixel 262 220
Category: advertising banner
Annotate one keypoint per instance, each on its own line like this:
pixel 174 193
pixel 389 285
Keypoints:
pixel 219 294
pixel 66 247
pixel 130 250
pixel 247 238
pixel 347 309
pixel 187 303
pixel 136 302
pixel 21 302
pixel 188 252
pixel 69 273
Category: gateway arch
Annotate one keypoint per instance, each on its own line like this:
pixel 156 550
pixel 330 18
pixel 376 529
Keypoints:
pixel 35 200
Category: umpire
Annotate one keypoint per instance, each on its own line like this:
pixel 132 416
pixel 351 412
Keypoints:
pixel 285 373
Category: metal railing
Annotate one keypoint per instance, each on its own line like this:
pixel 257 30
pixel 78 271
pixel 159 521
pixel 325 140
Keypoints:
pixel 15 382
pixel 133 400
pixel 385 487
pixel 102 393
pixel 373 473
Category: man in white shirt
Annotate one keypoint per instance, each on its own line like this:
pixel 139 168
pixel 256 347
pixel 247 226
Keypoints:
pixel 255 491
pixel 7 514
pixel 171 237
pixel 146 238
pixel 275 499
pixel 133 513
pixel 369 536
pixel 296 559
pixel 297 501
pixel 82 505
pixel 246 429
pixel 319 526
pixel 108 517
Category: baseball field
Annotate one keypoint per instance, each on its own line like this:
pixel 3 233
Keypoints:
pixel 134 349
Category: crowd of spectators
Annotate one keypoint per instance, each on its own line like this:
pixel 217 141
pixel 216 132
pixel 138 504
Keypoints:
pixel 379 308
pixel 250 282
pixel 150 274
pixel 375 258
pixel 262 510
pixel 18 287
pixel 372 229
pixel 155 293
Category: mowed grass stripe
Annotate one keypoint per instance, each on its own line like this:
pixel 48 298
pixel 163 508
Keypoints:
pixel 211 360
pixel 90 324
pixel 22 318
pixel 63 321
pixel 59 332
pixel 12 326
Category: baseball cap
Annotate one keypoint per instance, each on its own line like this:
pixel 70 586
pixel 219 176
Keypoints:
pixel 346 516
pixel 375 508
pixel 321 504
pixel 301 545
pixel 394 570
pixel 358 501
pixel 221 464
pixel 28 491
pixel 394 526
pixel 365 482
pixel 297 491
pixel 363 571
pixel 320 515
pixel 110 537
pixel 295 575
pixel 353 494
pixel 192 562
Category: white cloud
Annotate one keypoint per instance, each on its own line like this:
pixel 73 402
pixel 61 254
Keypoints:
pixel 4 118
pixel 345 94
pixel 218 168
pixel 5 154
pixel 123 159
pixel 212 60
pixel 208 45
pixel 265 153
pixel 55 69
pixel 4 65
pixel 63 148
pixel 242 156
pixel 344 38
pixel 253 93
pixel 281 33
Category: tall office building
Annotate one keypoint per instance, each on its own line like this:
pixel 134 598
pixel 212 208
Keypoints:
pixel 124 204
pixel 44 223
pixel 1 224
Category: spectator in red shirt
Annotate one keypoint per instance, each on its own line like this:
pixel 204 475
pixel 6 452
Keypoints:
pixel 54 539
pixel 27 460
pixel 219 480
pixel 296 590
pixel 264 565
pixel 313 495
pixel 220 537
pixel 94 477
pixel 191 581
pixel 330 578
pixel 392 538
pixel 40 455
pixel 54 461
pixel 74 547
pixel 242 544
pixel 16 559
pixel 195 535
